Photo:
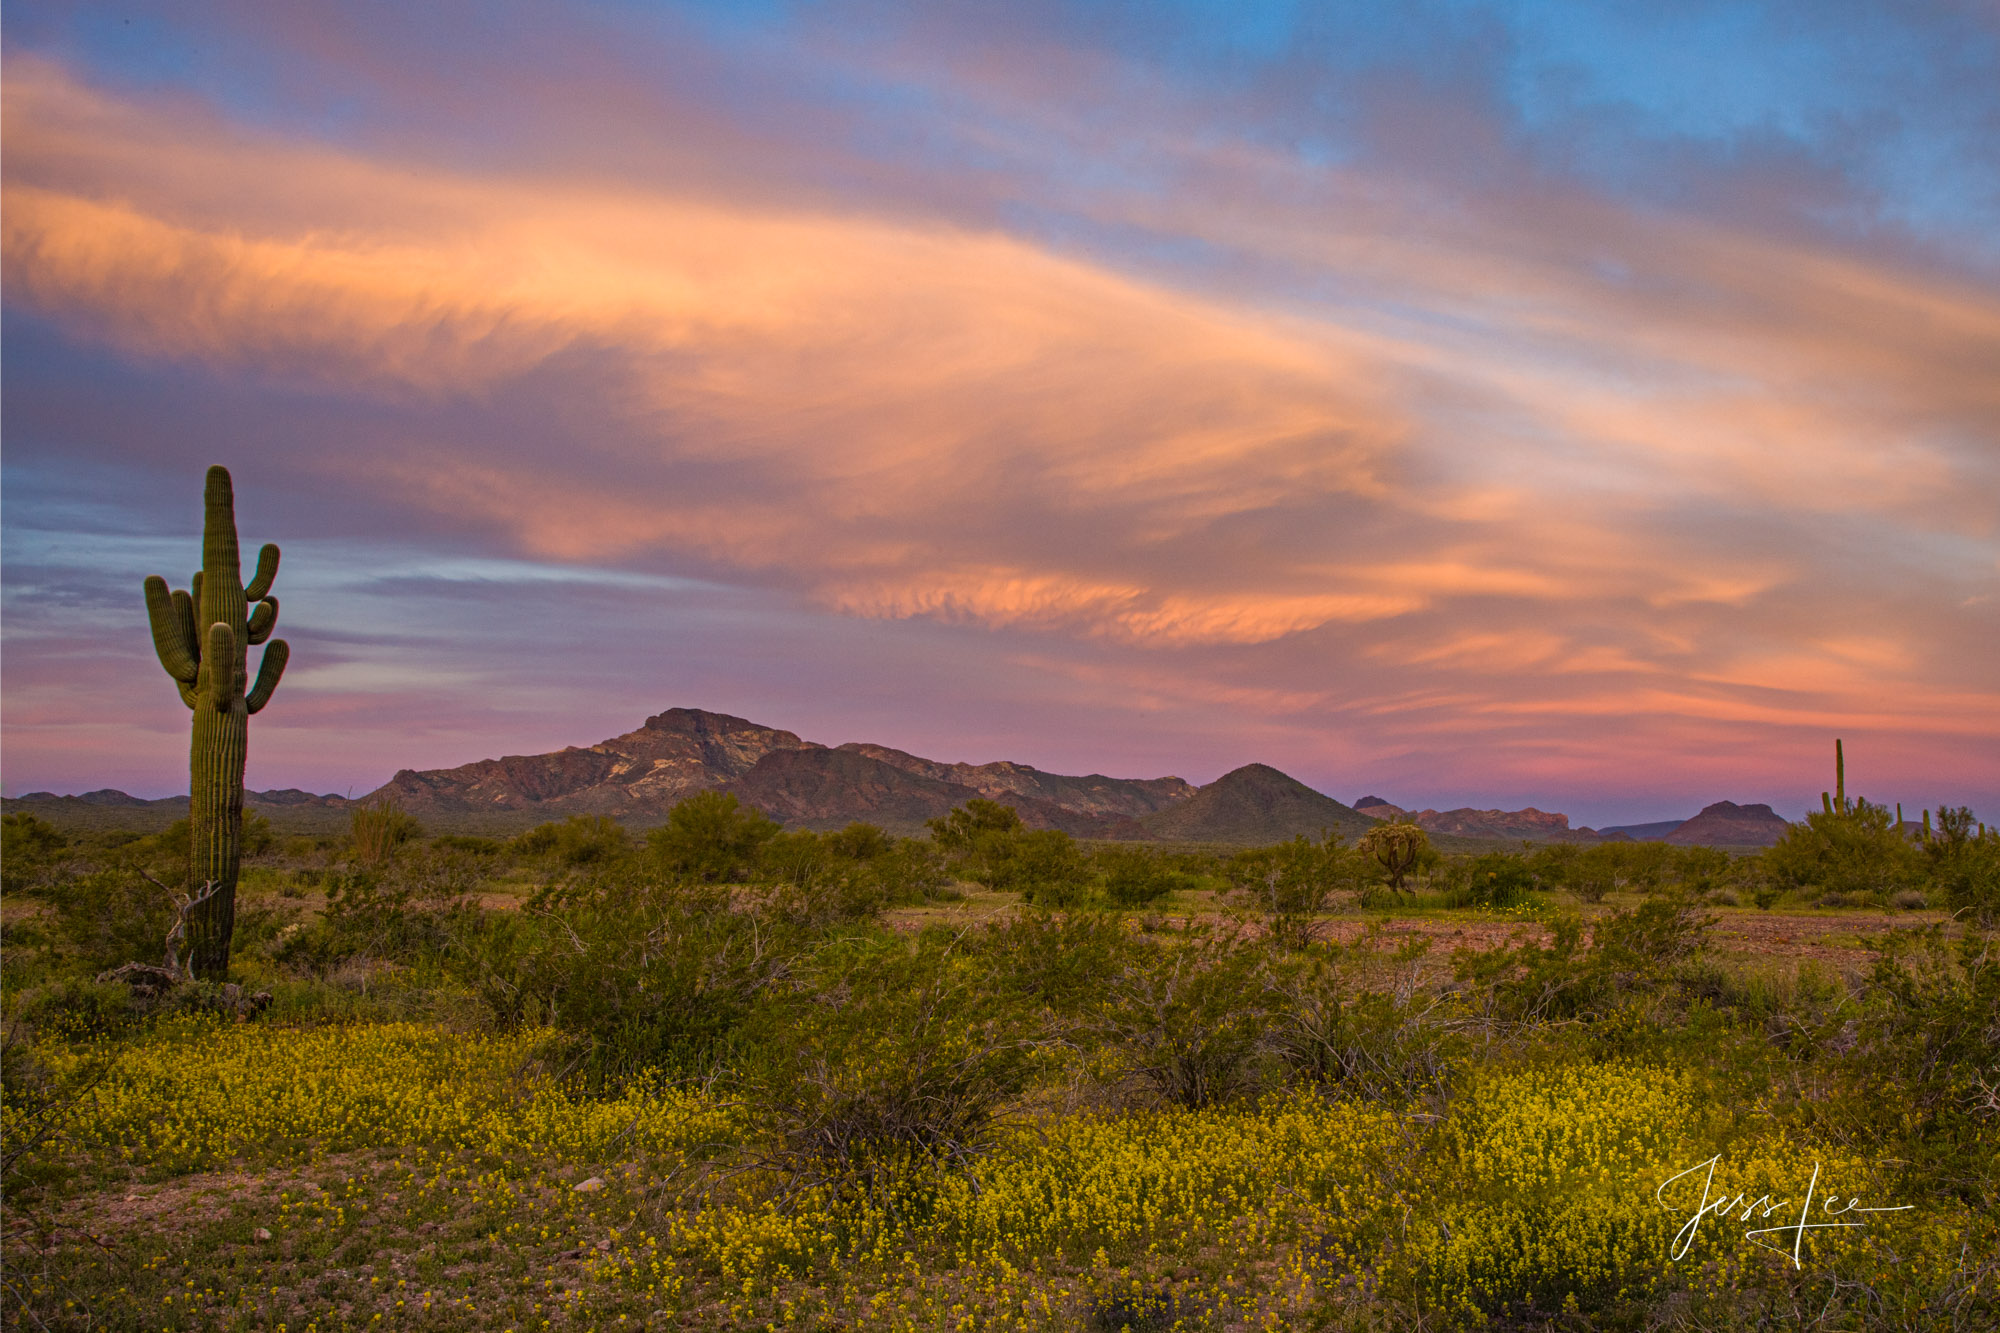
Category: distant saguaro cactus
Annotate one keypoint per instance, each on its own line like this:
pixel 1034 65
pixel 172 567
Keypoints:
pixel 203 639
pixel 1836 803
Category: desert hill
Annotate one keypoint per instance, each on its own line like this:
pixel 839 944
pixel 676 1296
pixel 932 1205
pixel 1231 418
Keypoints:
pixel 1254 805
pixel 1465 822
pixel 1727 824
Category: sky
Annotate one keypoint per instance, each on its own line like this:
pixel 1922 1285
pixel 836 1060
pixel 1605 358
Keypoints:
pixel 1587 406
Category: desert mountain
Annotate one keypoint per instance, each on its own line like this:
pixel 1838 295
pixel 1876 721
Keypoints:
pixel 639 776
pixel 1656 831
pixel 1254 805
pixel 827 789
pixel 1133 798
pixel 1512 825
pixel 642 773
pixel 1724 824
pixel 1727 824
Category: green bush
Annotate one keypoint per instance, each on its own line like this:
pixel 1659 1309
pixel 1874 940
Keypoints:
pixel 1494 880
pixel 1858 852
pixel 1136 876
pixel 32 851
pixel 1290 884
pixel 638 971
pixel 376 830
pixel 1187 1017
pixel 960 830
pixel 579 840
pixel 1964 862
pixel 886 1051
pixel 104 918
pixel 711 838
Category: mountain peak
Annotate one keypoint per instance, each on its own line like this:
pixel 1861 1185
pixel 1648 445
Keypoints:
pixel 1253 805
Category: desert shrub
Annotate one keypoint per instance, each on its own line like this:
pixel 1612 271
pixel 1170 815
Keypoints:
pixel 579 840
pixel 861 842
pixel 413 909
pixel 1964 863
pixel 886 1052
pixel 710 838
pixel 1058 962
pixel 470 844
pixel 1045 866
pixel 72 1009
pixel 1628 950
pixel 1290 884
pixel 1496 879
pixel 377 829
pixel 637 971
pixel 1587 872
pixel 1186 1017
pixel 913 870
pixel 1857 852
pixel 1932 1039
pixel 102 918
pixel 812 883
pixel 1136 876
pixel 32 852
pixel 1330 1030
pixel 959 831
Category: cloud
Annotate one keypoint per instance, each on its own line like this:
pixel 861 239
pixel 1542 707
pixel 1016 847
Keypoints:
pixel 1384 469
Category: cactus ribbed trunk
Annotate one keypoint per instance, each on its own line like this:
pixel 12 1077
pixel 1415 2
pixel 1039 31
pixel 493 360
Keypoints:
pixel 203 639
pixel 215 842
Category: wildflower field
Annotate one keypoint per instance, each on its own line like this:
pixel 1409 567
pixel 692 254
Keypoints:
pixel 644 1100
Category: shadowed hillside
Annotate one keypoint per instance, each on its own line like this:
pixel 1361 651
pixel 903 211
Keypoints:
pixel 1254 805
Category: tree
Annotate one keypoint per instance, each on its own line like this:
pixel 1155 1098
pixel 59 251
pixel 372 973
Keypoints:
pixel 202 638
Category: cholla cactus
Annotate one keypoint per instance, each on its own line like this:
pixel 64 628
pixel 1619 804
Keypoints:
pixel 1396 846
pixel 203 638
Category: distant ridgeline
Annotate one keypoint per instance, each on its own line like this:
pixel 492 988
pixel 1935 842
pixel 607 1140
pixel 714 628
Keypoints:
pixel 1724 824
pixel 637 777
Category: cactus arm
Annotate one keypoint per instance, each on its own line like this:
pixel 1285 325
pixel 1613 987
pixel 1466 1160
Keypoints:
pixel 267 572
pixel 184 613
pixel 189 694
pixel 273 666
pixel 194 589
pixel 262 619
pixel 170 638
pixel 1826 802
pixel 221 667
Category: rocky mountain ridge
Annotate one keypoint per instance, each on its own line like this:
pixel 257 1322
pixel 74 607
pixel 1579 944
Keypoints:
pixel 639 776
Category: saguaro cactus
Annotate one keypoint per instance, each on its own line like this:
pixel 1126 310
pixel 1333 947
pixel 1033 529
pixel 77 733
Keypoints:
pixel 203 638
